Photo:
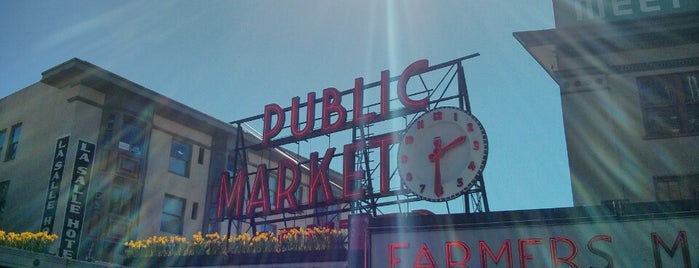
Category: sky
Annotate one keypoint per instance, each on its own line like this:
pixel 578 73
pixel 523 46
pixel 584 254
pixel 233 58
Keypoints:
pixel 229 59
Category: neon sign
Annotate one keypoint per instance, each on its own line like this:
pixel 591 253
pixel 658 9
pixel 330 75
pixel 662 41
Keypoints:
pixel 324 115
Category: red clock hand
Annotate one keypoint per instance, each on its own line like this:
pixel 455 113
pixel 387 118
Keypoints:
pixel 438 189
pixel 452 144
pixel 437 153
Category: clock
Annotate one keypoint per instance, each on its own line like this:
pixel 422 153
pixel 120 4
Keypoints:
pixel 442 153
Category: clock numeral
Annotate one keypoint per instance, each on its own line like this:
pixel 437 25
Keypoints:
pixel 422 188
pixel 470 127
pixel 409 140
pixel 460 182
pixel 420 124
pixel 409 176
pixel 456 117
pixel 472 166
pixel 404 159
pixel 476 145
pixel 437 116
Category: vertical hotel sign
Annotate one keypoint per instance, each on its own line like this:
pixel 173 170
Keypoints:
pixel 75 212
pixel 59 161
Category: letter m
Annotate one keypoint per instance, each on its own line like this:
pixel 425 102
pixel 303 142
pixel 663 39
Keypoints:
pixel 505 250
pixel 230 199
pixel 681 240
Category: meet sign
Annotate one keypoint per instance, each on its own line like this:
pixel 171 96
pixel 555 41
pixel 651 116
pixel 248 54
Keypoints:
pixel 578 12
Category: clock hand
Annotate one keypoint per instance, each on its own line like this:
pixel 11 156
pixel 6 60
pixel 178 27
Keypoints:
pixel 438 189
pixel 452 144
pixel 437 153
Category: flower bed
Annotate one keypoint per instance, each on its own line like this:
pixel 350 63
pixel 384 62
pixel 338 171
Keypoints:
pixel 37 242
pixel 298 239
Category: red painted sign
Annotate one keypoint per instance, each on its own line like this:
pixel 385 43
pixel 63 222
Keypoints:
pixel 331 106
pixel 667 240
pixel 235 201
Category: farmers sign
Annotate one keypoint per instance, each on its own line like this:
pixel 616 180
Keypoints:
pixel 562 239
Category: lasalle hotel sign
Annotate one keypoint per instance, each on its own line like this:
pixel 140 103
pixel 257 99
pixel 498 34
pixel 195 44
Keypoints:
pixel 81 174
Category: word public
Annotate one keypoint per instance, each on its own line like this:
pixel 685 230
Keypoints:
pixel 333 118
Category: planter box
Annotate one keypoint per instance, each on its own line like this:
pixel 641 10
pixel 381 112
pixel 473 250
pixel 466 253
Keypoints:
pixel 241 259
pixel 177 261
pixel 288 257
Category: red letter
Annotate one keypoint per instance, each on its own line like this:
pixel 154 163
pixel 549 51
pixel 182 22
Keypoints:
pixel 383 142
pixel 268 132
pixel 332 102
pixel 227 199
pixel 464 248
pixel 359 103
pixel 681 240
pixel 310 116
pixel 424 252
pixel 506 247
pixel 350 190
pixel 392 259
pixel 604 255
pixel 287 193
pixel 261 184
pixel 319 175
pixel 567 259
pixel 412 69
pixel 523 256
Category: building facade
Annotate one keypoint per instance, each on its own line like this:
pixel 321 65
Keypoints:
pixel 100 160
pixel 628 73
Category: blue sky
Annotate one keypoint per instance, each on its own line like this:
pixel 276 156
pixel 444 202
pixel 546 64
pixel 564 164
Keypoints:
pixel 231 58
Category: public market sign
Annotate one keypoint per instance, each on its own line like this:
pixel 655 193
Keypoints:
pixel 637 241
pixel 577 12
pixel 237 201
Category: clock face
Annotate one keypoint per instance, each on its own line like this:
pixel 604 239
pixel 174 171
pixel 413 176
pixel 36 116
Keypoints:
pixel 441 154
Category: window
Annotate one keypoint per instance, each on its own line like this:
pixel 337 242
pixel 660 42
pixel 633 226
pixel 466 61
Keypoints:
pixel 120 201
pixel 172 219
pixel 299 195
pixel 670 188
pixel 272 190
pixel 2 140
pixel 670 104
pixel 195 210
pixel 12 147
pixel 128 165
pixel 180 154
pixel 4 187
pixel 200 158
pixel 132 135
pixel 267 228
